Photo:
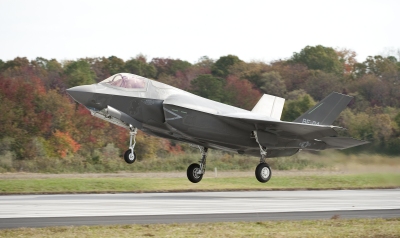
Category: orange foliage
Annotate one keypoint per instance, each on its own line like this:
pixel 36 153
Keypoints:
pixel 171 148
pixel 64 143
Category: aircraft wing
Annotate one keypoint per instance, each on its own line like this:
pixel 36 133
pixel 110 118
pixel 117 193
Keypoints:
pixel 290 130
pixel 327 134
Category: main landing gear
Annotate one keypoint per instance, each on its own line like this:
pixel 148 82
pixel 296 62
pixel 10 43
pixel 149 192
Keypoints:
pixel 263 171
pixel 196 171
pixel 130 155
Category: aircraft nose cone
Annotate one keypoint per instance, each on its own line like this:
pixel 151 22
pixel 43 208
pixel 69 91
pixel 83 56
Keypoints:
pixel 81 94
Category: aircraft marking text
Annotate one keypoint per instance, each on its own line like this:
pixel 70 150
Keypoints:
pixel 307 121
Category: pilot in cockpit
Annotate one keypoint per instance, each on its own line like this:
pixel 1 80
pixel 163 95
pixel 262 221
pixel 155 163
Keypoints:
pixel 127 81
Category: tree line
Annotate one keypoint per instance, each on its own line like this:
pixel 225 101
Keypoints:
pixel 38 119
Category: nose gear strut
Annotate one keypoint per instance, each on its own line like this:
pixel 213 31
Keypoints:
pixel 130 155
pixel 263 171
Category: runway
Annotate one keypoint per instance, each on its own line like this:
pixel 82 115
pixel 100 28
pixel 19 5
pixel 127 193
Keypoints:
pixel 92 209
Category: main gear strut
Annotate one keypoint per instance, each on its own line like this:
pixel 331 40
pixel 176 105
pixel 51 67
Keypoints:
pixel 263 171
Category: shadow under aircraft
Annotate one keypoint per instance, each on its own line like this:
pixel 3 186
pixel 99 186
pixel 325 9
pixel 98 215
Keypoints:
pixel 134 102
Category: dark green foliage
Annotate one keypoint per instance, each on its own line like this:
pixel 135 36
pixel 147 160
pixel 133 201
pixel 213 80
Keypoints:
pixel 179 65
pixel 79 73
pixel 272 83
pixel 209 87
pixel 319 58
pixel 169 66
pixel 114 65
pixel 397 119
pixel 14 67
pixel 381 67
pixel 221 66
pixel 140 67
pixel 1 65
pixel 295 108
pixel 205 62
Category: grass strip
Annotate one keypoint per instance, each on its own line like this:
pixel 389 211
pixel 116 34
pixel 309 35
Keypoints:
pixel 114 185
pixel 315 228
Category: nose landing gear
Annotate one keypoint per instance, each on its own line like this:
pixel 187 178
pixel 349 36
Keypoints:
pixel 130 155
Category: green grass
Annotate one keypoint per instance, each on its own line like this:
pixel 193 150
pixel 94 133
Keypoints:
pixel 106 163
pixel 319 228
pixel 107 185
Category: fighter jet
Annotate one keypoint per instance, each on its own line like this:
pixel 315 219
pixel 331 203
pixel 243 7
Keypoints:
pixel 134 102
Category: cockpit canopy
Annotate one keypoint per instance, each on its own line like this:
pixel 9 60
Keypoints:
pixel 125 80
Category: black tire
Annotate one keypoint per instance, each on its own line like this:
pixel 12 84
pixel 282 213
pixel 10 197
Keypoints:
pixel 263 172
pixel 192 173
pixel 128 159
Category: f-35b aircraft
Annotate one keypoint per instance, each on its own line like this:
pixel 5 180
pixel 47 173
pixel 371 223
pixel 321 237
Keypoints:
pixel 135 102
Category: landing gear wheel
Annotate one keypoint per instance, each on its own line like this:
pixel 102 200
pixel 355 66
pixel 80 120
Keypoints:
pixel 263 172
pixel 129 157
pixel 194 173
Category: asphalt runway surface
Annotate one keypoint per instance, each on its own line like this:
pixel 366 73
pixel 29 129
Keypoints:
pixel 147 208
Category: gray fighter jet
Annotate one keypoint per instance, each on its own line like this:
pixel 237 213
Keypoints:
pixel 135 102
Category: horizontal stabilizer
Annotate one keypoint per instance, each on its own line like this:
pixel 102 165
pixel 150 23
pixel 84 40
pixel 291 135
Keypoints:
pixel 326 111
pixel 270 106
pixel 342 142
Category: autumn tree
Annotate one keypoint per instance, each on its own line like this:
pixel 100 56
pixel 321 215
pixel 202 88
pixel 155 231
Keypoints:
pixel 348 58
pixel 294 75
pixel 252 71
pixel 169 66
pixel 241 93
pixel 21 119
pixel 93 135
pixel 51 73
pixel 321 84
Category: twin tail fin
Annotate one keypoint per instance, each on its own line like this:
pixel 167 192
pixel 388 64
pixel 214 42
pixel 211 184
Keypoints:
pixel 326 111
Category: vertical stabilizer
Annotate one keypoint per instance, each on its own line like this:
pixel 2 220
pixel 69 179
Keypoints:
pixel 326 111
pixel 270 106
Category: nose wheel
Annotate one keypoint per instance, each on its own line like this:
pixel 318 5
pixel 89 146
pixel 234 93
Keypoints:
pixel 130 155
